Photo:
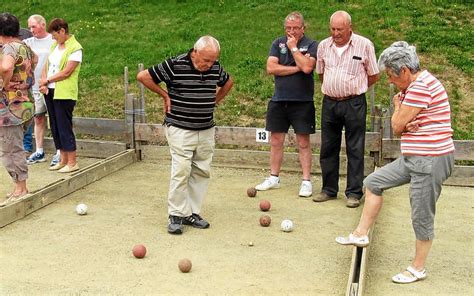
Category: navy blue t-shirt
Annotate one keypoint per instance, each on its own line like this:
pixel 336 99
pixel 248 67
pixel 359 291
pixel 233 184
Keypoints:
pixel 298 86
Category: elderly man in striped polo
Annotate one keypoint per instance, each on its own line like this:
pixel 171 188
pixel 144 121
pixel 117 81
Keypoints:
pixel 195 84
pixel 347 66
pixel 422 118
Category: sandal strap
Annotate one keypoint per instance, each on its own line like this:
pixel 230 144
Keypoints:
pixel 416 273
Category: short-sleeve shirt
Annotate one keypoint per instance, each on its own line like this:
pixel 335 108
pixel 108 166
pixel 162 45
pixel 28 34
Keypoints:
pixel 54 62
pixel 347 74
pixel 192 93
pixel 434 137
pixel 42 47
pixel 16 100
pixel 298 86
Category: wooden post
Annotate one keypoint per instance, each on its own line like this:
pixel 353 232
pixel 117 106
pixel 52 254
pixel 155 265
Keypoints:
pixel 129 121
pixel 377 127
pixel 138 119
pixel 140 109
pixel 125 80
pixel 372 108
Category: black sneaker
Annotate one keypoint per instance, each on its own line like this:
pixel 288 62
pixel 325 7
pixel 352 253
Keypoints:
pixel 175 225
pixel 196 221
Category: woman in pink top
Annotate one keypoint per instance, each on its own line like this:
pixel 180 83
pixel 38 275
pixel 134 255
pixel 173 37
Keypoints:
pixel 422 118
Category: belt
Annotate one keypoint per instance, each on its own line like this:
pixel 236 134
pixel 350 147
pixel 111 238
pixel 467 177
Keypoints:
pixel 343 98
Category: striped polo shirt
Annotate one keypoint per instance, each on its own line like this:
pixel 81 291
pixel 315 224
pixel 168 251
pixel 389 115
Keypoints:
pixel 346 75
pixel 192 93
pixel 434 136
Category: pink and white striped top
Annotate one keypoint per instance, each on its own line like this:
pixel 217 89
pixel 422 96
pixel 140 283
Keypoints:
pixel 346 75
pixel 434 136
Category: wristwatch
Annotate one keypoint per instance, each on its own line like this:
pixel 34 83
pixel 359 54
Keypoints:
pixel 294 49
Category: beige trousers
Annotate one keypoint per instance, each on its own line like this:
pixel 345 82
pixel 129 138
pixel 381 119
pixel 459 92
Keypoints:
pixel 191 157
pixel 12 153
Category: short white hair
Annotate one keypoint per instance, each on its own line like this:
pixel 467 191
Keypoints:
pixel 207 42
pixel 346 15
pixel 38 18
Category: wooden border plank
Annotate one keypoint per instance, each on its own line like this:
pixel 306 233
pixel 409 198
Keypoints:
pixel 90 148
pixel 464 149
pixel 244 136
pixel 99 126
pixel 461 176
pixel 358 268
pixel 252 159
pixel 57 190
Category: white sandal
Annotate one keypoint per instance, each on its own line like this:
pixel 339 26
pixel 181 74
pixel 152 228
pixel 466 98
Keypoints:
pixel 414 276
pixel 358 241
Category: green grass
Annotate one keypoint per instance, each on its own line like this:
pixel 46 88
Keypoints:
pixel 118 33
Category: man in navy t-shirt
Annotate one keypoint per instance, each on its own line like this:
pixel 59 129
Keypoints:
pixel 291 60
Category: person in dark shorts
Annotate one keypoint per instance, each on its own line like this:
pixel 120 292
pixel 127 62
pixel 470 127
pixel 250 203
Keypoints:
pixel 291 60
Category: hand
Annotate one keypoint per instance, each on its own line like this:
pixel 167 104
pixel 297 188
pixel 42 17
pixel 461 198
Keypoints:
pixel 43 82
pixel 166 104
pixel 291 42
pixel 396 101
pixel 44 90
pixel 413 126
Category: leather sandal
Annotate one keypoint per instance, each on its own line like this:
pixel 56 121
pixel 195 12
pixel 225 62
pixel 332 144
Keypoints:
pixel 413 276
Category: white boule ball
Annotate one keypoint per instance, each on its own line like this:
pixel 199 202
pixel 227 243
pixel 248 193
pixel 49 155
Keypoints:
pixel 81 209
pixel 286 225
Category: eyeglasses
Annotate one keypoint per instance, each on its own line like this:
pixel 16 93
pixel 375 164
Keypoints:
pixel 293 28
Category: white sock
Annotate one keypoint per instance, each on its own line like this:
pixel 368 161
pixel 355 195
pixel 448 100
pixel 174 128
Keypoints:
pixel 39 150
pixel 57 152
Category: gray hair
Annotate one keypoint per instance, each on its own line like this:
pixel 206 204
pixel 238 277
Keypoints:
pixel 293 16
pixel 206 42
pixel 346 15
pixel 38 18
pixel 400 54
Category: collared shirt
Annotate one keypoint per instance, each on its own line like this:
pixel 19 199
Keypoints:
pixel 434 137
pixel 192 93
pixel 346 75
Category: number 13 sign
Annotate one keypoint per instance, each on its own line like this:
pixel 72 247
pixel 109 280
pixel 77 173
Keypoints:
pixel 261 135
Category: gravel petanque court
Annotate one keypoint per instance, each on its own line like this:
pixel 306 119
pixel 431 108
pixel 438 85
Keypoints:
pixel 55 251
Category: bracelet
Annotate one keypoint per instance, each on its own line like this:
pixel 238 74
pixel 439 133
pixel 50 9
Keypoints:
pixel 48 82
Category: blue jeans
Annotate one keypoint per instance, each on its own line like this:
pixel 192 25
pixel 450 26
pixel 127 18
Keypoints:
pixel 28 139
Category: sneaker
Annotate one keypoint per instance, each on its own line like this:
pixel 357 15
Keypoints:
pixel 352 202
pixel 269 183
pixel 306 189
pixel 323 196
pixel 196 221
pixel 35 157
pixel 56 159
pixel 175 225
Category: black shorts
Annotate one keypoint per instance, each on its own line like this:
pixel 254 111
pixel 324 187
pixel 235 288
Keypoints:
pixel 300 115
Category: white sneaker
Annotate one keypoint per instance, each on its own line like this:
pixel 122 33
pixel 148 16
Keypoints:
pixel 306 189
pixel 269 183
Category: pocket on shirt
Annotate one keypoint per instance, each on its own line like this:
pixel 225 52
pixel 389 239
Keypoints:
pixel 355 67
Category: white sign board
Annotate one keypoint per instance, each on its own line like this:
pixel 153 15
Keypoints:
pixel 261 135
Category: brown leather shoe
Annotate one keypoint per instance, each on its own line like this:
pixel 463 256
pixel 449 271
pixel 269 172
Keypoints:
pixel 322 196
pixel 352 202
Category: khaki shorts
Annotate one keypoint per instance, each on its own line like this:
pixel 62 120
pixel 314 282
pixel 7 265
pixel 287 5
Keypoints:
pixel 40 105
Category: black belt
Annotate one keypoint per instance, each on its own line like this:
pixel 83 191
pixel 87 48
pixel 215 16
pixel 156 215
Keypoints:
pixel 344 98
